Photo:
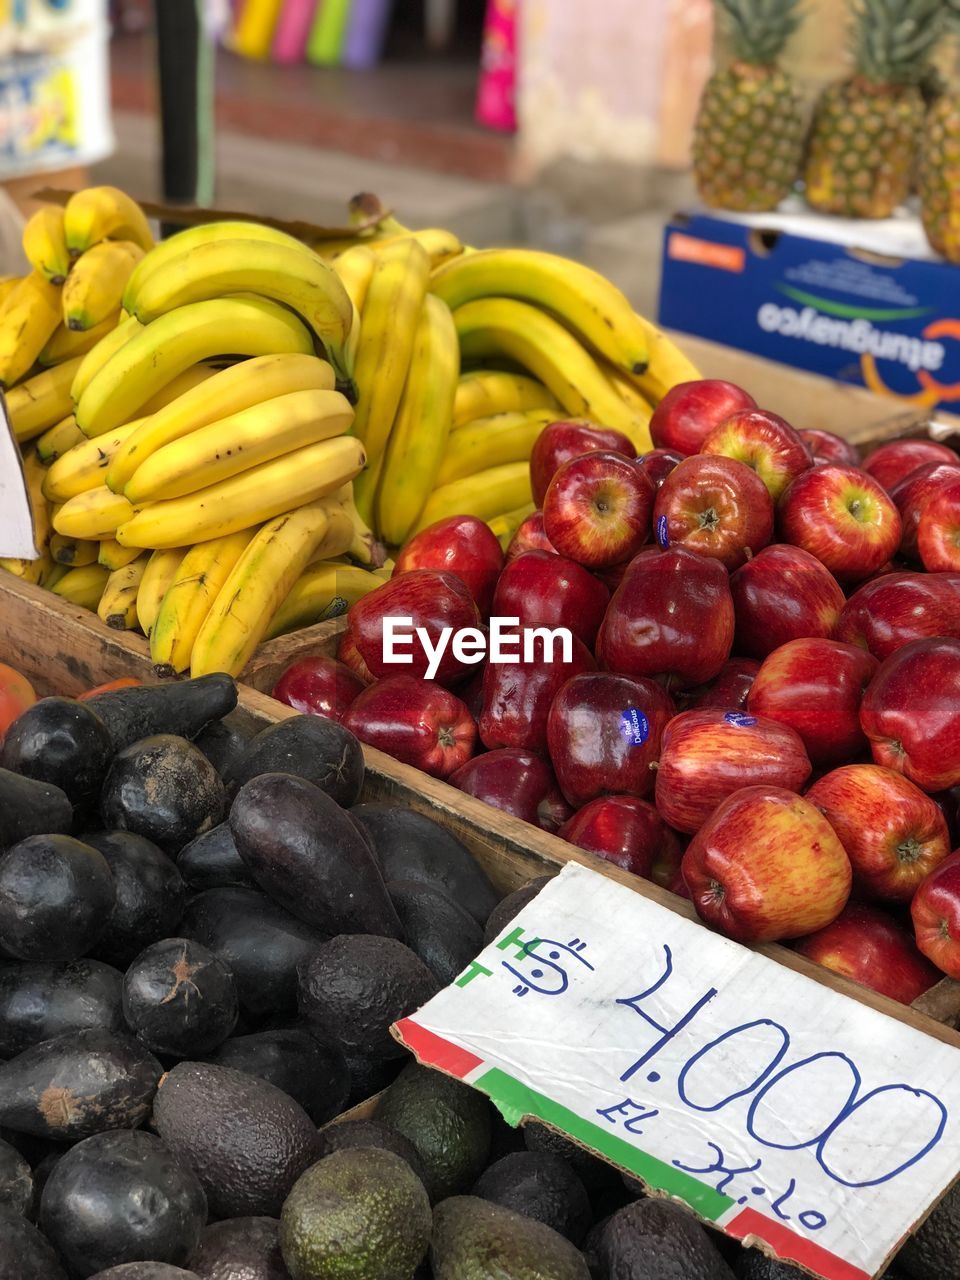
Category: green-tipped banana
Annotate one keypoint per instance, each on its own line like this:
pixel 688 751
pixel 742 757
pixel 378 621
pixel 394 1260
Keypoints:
pixel 45 244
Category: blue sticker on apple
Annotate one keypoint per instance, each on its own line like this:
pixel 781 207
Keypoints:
pixel 740 718
pixel 634 726
pixel 662 536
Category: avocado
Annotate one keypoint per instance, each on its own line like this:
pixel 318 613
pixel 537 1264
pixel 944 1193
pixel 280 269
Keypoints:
pixel 310 747
pixel 184 708
pixel 240 1249
pixel 24 1253
pixel 224 742
pixel 411 846
pixel 31 808
pixel 511 906
pixel 356 986
pixel 78 1084
pixel 447 1122
pixel 369 1076
pixel 933 1251
pixel 163 788
pixel 145 1271
pixel 246 1141
pixel 596 1175
pixel 754 1265
pixel 346 1134
pixel 149 895
pixel 56 895
pixel 656 1240
pixel 16 1180
pixel 476 1240
pixel 303 850
pixel 62 742
pixel 179 998
pixel 211 861
pixel 260 943
pixel 541 1186
pixel 40 1000
pixel 359 1214
pixel 121 1197
pixel 443 934
pixel 313 1073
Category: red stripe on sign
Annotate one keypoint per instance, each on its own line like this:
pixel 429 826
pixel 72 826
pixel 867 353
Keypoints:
pixel 437 1052
pixel 791 1247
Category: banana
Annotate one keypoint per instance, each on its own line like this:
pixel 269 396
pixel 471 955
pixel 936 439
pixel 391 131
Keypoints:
pixel 338 534
pixel 66 343
pixel 27 320
pixel 97 357
pixel 437 243
pixel 422 424
pixel 45 243
pixel 390 313
pixel 42 401
pixel 183 337
pixel 83 586
pixel 505 526
pixel 104 213
pixel 364 547
pixel 628 391
pixel 236 443
pixel 255 588
pixel 247 499
pixel 322 591
pixel 485 495
pixel 7 286
pixel 37 571
pixel 160 571
pixel 482 393
pixel 112 556
pixel 189 597
pixel 118 603
pixel 58 440
pixel 85 466
pixel 73 551
pixel 33 473
pixel 355 268
pixel 667 364
pixel 491 442
pixel 57 572
pixel 503 326
pixel 228 392
pixel 296 278
pixel 98 513
pixel 94 288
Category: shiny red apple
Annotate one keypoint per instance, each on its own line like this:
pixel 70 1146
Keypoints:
pixel 529 537
pixel 730 688
pixel 935 911
pixel 517 782
pixel 624 830
pixel 318 686
pixel 716 506
pixel 890 611
pixel 782 594
pixel 597 509
pixel 911 495
pixel 415 721
pixel 462 545
pixel 765 442
pixel 938 529
pixel 349 655
pixel 892 461
pixel 843 517
pixel 558 442
pixel 517 696
pixel 656 464
pixel 689 411
pixel 547 590
pixel 827 446
pixel 870 947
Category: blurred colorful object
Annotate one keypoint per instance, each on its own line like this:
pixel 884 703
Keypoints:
pixel 253 28
pixel 328 33
pixel 293 31
pixel 496 91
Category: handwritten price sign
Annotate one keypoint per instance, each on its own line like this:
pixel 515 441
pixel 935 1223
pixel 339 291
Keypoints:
pixel 775 1107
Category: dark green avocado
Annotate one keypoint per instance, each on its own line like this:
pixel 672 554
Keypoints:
pixel 56 895
pixel 16 1180
pixel 657 1240
pixel 179 999
pixel 933 1252
pixel 61 742
pixel 24 1253
pixel 539 1185
pixel 39 1000
pixel 510 907
pixel 164 788
pixel 240 1249
pixel 211 861
pixel 149 895
pixel 310 747
pixel 311 1070
pixel 145 1271
pixel 346 1134
pixel 476 1240
pixel 31 808
pixel 183 707
pixel 444 935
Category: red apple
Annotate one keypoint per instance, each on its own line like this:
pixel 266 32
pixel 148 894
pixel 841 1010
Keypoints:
pixel 843 517
pixel 767 866
pixel 433 601
pixel 715 506
pixel 911 713
pixel 888 612
pixel 671 617
pixel 938 530
pixel 894 835
pixel 935 911
pixel 415 721
pixel 689 411
pixel 911 496
pixel 603 734
pixel 517 782
pixel 529 537
pixel 597 509
pixel 558 442
pixel 707 755
pixel 625 830
pixel 870 947
pixel 765 442
pixel 894 460
pixel 826 446
pixel 349 655
pixel 729 690
pixel 517 697
pixel 816 686
pixel 547 590
pixel 462 545
pixel 657 464
pixel 782 594
pixel 318 686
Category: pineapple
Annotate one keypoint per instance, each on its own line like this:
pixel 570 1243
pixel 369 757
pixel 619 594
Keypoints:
pixel 866 129
pixel 940 165
pixel 748 139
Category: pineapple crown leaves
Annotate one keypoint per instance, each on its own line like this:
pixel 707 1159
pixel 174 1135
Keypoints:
pixel 894 39
pixel 759 29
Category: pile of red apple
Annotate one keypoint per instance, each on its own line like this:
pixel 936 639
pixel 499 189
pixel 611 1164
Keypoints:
pixel 761 710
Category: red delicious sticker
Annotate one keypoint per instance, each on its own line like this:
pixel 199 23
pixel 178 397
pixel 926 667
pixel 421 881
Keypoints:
pixel 634 726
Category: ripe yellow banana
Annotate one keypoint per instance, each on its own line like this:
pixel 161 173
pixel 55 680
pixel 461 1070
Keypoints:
pixel 85 466
pixel 484 495
pixel 189 597
pixel 56 572
pixel 420 430
pixel 83 586
pixel 437 243
pixel 95 286
pixel 667 364
pixel 229 391
pixel 45 243
pixel 37 571
pixel 255 588
pixel 321 592
pixel 73 551
pixel 491 442
pixel 98 356
pixel 505 526
pixel 161 569
pixel 364 547
pixel 481 393
pixel 355 268
pixel 104 213
pixel 27 320
pixel 503 326
pixel 7 286
pixel 112 556
pixel 66 343
pixel 118 603
pixel 184 337
pixel 247 499
pixel 98 513
pixel 57 440
pixel 628 391
pixel 42 401
pixel 236 443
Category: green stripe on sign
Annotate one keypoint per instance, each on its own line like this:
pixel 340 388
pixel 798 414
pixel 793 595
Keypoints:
pixel 852 311
pixel 516 1100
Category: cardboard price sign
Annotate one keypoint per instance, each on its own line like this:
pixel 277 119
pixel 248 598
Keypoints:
pixel 17 539
pixel 776 1108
